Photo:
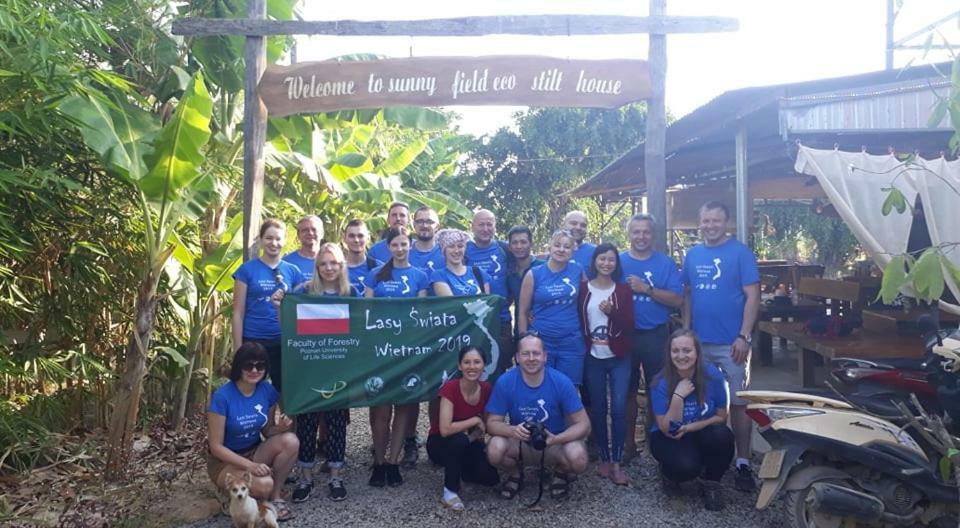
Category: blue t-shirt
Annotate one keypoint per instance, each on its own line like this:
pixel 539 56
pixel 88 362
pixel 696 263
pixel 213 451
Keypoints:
pixel 554 303
pixel 404 282
pixel 549 403
pixel 305 264
pixel 493 260
pixel 716 277
pixel 245 415
pixel 380 251
pixel 716 397
pixel 260 319
pixel 515 279
pixel 465 284
pixel 659 271
pixel 426 261
pixel 583 254
pixel 358 274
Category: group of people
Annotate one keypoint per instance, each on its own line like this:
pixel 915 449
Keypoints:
pixel 590 321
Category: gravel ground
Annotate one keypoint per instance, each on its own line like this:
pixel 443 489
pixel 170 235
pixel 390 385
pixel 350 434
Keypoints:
pixel 593 501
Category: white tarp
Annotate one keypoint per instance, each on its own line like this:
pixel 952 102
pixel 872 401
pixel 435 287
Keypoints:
pixel 854 183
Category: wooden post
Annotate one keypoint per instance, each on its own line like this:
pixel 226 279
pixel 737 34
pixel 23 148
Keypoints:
pixel 654 166
pixel 744 204
pixel 254 131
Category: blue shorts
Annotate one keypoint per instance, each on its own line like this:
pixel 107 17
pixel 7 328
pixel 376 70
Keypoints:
pixel 566 354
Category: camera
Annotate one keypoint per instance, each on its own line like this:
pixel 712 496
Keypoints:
pixel 538 434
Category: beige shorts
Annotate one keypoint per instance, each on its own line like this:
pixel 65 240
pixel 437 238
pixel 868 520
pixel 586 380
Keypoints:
pixel 737 374
pixel 216 467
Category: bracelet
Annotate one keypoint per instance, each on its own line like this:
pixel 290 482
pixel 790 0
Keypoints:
pixel 677 395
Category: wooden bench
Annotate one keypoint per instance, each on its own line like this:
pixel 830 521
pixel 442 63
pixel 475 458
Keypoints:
pixel 816 297
pixel 861 344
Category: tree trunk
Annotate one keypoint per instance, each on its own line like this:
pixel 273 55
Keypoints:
pixel 126 400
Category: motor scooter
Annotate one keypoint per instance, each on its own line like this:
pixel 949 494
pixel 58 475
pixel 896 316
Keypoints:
pixel 839 466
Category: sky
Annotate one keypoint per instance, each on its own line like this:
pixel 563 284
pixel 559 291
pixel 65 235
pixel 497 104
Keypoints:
pixel 779 41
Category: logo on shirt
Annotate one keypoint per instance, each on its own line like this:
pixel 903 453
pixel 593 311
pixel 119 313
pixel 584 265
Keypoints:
pixel 496 262
pixel 649 276
pixel 716 264
pixel 573 290
pixel 406 284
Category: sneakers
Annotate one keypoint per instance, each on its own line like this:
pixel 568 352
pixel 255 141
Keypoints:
pixel 337 491
pixel 378 478
pixel 671 488
pixel 393 475
pixel 712 496
pixel 302 491
pixel 744 481
pixel 411 453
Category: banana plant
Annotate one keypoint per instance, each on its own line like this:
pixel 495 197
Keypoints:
pixel 162 167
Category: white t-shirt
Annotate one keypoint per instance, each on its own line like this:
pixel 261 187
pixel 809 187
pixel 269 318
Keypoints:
pixel 598 322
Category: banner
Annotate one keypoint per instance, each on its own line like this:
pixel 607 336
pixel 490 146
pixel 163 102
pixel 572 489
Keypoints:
pixel 311 87
pixel 341 352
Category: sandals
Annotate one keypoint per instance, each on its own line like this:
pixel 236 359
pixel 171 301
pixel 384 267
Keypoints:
pixel 559 486
pixel 283 511
pixel 455 503
pixel 508 491
pixel 619 477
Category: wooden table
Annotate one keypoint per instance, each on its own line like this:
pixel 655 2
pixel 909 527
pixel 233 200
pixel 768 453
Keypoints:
pixel 804 309
pixel 861 344
pixel 893 320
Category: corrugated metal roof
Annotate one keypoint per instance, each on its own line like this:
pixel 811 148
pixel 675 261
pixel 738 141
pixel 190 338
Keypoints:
pixel 701 143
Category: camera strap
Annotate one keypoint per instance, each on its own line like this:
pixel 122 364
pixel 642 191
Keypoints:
pixel 541 474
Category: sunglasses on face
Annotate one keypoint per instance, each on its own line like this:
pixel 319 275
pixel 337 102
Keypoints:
pixel 250 367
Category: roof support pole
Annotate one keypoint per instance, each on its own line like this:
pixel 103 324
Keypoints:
pixel 654 165
pixel 744 204
pixel 254 131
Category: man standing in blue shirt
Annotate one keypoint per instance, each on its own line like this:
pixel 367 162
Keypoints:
pixel 534 392
pixel 657 293
pixel 359 264
pixel 722 301
pixel 520 245
pixel 397 216
pixel 488 254
pixel 310 234
pixel 425 253
pixel 576 223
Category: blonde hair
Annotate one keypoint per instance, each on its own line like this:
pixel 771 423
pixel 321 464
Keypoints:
pixel 315 286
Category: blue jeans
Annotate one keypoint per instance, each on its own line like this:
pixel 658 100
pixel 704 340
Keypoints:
pixel 601 375
pixel 566 355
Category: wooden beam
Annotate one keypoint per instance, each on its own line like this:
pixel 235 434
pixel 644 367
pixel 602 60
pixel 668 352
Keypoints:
pixel 654 143
pixel 466 26
pixel 254 131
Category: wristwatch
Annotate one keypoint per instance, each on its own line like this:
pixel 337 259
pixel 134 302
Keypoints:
pixel 746 339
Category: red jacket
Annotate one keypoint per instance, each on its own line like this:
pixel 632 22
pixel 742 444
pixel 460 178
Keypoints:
pixel 620 326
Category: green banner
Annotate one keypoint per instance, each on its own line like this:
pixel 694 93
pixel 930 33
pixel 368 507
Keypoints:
pixel 341 352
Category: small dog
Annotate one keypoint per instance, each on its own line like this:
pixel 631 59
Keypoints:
pixel 245 511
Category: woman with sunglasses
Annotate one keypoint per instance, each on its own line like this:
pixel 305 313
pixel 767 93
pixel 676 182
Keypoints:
pixel 548 296
pixel 395 278
pixel 330 278
pixel 255 317
pixel 242 410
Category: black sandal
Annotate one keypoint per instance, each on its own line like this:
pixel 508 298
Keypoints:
pixel 507 491
pixel 559 486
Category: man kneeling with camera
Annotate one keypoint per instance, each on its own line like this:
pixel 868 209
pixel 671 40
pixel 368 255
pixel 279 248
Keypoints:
pixel 548 424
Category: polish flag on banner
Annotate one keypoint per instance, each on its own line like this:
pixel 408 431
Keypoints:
pixel 323 319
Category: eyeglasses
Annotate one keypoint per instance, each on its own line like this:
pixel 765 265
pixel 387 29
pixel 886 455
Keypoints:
pixel 424 221
pixel 250 367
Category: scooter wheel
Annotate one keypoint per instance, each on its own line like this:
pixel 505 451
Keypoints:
pixel 800 512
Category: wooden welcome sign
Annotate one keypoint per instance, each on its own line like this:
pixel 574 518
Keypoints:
pixel 325 86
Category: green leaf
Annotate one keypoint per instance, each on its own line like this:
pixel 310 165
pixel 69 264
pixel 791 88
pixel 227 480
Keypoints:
pixel 894 278
pixel 173 355
pixel 424 119
pixel 951 268
pixel 894 200
pixel 120 133
pixel 178 152
pixel 945 466
pixel 402 157
pixel 926 276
